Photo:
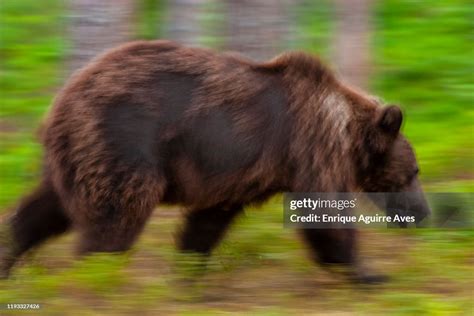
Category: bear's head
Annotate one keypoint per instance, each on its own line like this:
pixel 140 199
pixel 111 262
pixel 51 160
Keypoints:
pixel 390 165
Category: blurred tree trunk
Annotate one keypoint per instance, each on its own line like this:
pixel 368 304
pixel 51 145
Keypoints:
pixel 97 25
pixel 351 47
pixel 183 21
pixel 259 29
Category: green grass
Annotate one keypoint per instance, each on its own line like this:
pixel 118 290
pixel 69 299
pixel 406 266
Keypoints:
pixel 423 59
pixel 260 268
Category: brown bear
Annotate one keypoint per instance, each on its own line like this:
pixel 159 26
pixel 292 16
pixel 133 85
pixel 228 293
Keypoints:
pixel 155 122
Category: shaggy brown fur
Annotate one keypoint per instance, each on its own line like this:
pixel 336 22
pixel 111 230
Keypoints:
pixel 155 122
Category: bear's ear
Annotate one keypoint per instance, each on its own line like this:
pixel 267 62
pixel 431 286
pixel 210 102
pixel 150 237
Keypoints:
pixel 385 128
pixel 389 120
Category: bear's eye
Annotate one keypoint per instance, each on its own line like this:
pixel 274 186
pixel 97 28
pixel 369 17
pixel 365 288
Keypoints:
pixel 416 172
pixel 411 176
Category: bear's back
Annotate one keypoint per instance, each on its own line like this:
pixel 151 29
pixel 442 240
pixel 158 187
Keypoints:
pixel 147 106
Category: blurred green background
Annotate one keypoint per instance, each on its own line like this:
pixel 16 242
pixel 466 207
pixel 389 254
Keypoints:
pixel 422 58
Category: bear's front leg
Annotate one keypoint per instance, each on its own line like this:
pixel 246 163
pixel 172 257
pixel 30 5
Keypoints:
pixel 201 233
pixel 339 247
pixel 204 228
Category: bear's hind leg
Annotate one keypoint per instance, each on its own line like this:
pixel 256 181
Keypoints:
pixel 112 211
pixel 38 217
pixel 204 228
pixel 115 231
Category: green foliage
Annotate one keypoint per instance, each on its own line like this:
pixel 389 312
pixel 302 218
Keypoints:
pixel 31 48
pixel 314 27
pixel 425 63
pixel 148 17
